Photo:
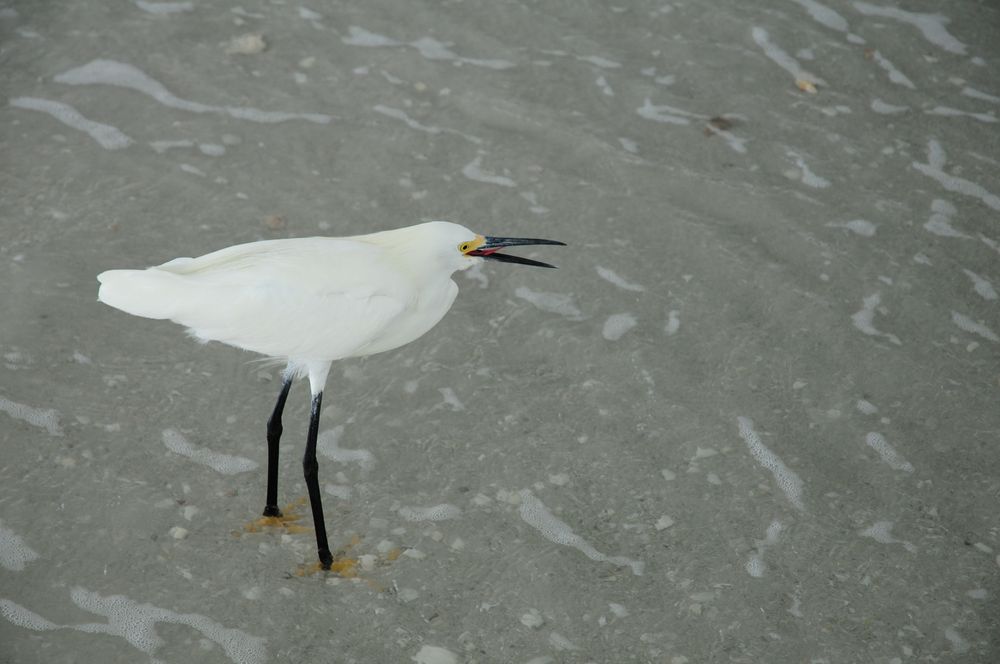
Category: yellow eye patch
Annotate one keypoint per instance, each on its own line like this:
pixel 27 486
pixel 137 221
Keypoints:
pixel 472 245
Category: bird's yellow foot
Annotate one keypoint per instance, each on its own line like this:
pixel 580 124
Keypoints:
pixel 341 565
pixel 287 520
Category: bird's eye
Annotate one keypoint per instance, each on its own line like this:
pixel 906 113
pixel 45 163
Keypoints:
pixel 464 247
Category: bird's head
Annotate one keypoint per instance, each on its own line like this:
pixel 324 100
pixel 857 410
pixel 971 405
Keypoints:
pixel 462 248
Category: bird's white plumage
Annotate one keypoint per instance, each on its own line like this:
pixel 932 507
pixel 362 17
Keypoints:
pixel 309 300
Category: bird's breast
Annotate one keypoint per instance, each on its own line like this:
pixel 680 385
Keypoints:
pixel 425 311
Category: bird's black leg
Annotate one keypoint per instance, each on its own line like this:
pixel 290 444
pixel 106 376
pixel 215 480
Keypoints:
pixel 273 436
pixel 310 469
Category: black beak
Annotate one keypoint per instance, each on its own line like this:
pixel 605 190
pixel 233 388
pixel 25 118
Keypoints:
pixel 492 245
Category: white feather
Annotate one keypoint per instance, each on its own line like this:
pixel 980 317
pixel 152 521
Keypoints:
pixel 309 301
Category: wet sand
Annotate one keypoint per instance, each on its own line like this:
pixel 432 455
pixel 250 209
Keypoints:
pixel 752 417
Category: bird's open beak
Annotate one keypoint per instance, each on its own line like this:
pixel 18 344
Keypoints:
pixel 491 245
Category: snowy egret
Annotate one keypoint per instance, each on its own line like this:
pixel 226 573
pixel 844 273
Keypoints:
pixel 310 301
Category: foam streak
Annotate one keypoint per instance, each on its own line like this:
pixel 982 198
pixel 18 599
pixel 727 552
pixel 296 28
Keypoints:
pixel 782 59
pixel 889 455
pixel 222 463
pixel 14 553
pixel 537 515
pixel 930 25
pixel 120 74
pixel 136 624
pixel 934 168
pixel 108 137
pixel 788 481
pixel 45 418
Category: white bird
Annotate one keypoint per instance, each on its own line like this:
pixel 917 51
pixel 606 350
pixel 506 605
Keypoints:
pixel 309 302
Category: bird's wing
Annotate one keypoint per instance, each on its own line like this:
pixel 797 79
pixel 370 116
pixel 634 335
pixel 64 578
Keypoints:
pixel 310 298
pixel 240 257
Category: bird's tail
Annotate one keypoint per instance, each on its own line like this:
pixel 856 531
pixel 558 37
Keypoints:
pixel 147 293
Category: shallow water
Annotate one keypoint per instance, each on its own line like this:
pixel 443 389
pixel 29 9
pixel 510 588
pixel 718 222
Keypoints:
pixel 751 418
